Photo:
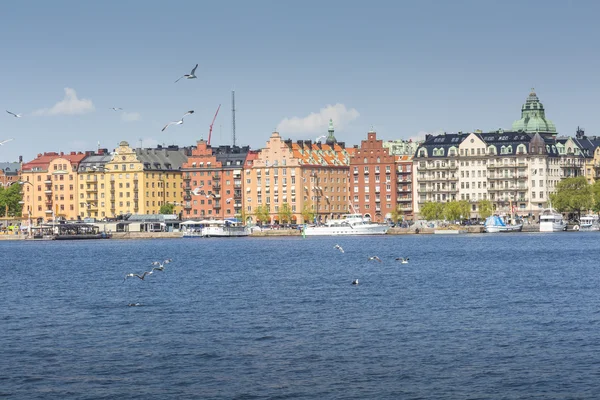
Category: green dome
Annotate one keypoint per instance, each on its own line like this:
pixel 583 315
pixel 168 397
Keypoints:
pixel 533 117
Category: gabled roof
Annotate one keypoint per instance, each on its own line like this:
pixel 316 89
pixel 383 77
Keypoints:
pixel 10 168
pixel 161 159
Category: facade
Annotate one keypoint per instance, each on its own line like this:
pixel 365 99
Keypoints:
pixel 373 182
pixel 93 191
pixel 50 186
pixel 213 184
pixel 404 184
pixel 306 178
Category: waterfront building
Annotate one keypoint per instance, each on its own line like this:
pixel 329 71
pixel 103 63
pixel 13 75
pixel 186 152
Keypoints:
pixel 374 179
pixel 131 181
pixel 404 184
pixel 213 181
pixel 301 179
pixel 50 186
pixel 10 172
pixel 93 193
pixel 589 150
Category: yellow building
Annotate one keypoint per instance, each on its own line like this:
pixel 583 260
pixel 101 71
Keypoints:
pixel 131 181
pixel 50 186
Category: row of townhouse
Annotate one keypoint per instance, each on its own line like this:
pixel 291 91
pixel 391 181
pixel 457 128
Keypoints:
pixel 516 171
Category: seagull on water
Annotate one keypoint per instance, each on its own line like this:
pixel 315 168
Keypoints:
pixel 142 276
pixel 191 75
pixel 134 304
pixel 402 260
pixel 5 141
pixel 355 282
pixel 116 109
pixel 177 122
pixel 14 115
pixel 375 258
pixel 337 246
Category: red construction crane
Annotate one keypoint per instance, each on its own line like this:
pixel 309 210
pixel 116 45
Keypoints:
pixel 211 124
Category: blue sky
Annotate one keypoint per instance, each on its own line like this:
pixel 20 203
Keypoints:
pixel 403 68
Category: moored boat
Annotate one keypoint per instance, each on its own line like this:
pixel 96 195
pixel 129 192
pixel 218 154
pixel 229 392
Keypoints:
pixel 350 224
pixel 589 222
pixel 495 224
pixel 552 221
pixel 214 228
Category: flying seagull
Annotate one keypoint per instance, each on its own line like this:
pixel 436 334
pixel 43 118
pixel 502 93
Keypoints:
pixel 14 115
pixel 375 258
pixel 177 122
pixel 317 140
pixel 161 265
pixel 191 75
pixel 337 246
pixel 197 191
pixel 138 275
pixel 402 260
pixel 229 200
pixel 355 282
pixel 5 141
pixel 116 109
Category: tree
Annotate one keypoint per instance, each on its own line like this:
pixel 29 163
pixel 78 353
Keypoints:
pixel 263 214
pixel 573 195
pixel 11 196
pixel 397 214
pixel 166 208
pixel 285 213
pixel 485 208
pixel 307 213
pixel 432 210
pixel 242 215
pixel 596 196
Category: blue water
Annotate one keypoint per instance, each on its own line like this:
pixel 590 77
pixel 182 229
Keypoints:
pixel 508 316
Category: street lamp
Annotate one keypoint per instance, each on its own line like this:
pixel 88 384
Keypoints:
pixel 316 191
pixel 23 183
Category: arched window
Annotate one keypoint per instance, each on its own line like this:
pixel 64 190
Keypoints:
pixel 365 160
pixel 378 160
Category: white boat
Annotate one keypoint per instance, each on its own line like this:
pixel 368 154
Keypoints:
pixel 495 224
pixel 552 221
pixel 589 222
pixel 214 228
pixel 350 224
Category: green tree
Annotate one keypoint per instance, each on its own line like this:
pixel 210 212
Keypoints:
pixel 432 210
pixel 596 196
pixel 453 211
pixel 285 213
pixel 485 208
pixel 11 196
pixel 573 195
pixel 308 213
pixel 166 208
pixel 263 214
pixel 397 214
pixel 242 216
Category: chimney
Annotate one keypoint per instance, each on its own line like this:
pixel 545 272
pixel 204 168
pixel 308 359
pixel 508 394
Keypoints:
pixel 21 159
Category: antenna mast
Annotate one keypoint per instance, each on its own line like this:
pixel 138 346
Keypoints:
pixel 233 116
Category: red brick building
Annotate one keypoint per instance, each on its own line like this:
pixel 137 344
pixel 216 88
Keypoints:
pixel 373 179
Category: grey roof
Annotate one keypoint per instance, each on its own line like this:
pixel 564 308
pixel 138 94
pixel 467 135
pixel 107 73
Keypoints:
pixel 587 145
pixel 444 141
pixel 10 168
pixel 231 157
pixel 94 160
pixel 162 159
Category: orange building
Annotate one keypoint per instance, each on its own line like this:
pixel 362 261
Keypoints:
pixel 304 181
pixel 50 186
pixel 212 179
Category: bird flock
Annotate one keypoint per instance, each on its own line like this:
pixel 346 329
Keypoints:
pixel 191 75
pixel 401 260
pixel 158 266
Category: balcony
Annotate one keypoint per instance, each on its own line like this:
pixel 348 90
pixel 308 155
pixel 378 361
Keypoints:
pixel 92 188
pixel 187 178
pixel 187 197
pixel 48 191
pixel 48 182
pixel 187 206
pixel 216 178
pixel 217 206
pixel 355 172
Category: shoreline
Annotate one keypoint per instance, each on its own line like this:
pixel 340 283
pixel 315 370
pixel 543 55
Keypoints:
pixel 289 232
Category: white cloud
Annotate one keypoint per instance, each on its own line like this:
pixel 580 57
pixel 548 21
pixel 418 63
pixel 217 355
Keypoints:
pixel 318 122
pixel 130 116
pixel 70 105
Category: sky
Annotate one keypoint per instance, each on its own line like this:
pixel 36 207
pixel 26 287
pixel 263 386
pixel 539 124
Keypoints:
pixel 401 68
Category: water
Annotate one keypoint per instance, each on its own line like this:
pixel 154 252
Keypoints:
pixel 508 316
